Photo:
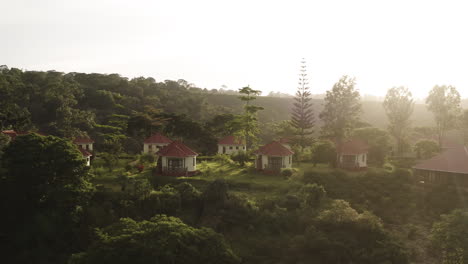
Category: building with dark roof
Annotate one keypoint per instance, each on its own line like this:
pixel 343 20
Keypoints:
pixel 273 157
pixel 231 145
pixel 176 159
pixel 450 166
pixel 352 154
pixel 155 142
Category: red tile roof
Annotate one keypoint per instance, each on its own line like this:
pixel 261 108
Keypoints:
pixel 82 140
pixel 176 149
pixel 274 148
pixel 157 138
pixel 13 134
pixel 353 147
pixel 85 153
pixel 453 160
pixel 231 140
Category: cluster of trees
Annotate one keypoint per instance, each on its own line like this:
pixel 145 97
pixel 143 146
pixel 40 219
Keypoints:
pixel 342 110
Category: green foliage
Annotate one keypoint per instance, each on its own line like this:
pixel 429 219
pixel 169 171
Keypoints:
pixel 378 141
pixel 189 195
pixel 449 237
pixel 287 172
pixel 162 239
pixel 148 158
pixel 313 194
pixel 426 148
pixel 302 116
pixel 323 151
pixel 240 157
pixel 46 182
pixel 341 110
pixel 444 102
pixel 248 121
pixel 399 106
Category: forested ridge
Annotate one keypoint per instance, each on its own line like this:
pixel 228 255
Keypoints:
pixel 119 210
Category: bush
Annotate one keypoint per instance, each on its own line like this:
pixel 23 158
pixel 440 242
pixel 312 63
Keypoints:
pixel 223 159
pixel 241 157
pixel 188 193
pixel 147 158
pixel 287 172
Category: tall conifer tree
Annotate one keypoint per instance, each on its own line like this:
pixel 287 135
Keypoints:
pixel 302 117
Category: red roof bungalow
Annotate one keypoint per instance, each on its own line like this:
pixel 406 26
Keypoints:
pixel 176 159
pixel 352 154
pixel 230 145
pixel 86 156
pixel 84 143
pixel 154 143
pixel 449 167
pixel 273 157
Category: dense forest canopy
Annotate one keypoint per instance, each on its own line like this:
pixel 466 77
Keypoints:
pixel 119 210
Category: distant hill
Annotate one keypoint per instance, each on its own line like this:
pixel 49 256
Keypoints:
pixel 277 109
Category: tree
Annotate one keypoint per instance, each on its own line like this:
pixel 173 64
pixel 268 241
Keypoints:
pixel 323 151
pixel 398 106
pixel 426 148
pixel 449 237
pixel 464 124
pixel 162 239
pixel 46 182
pixel 248 120
pixel 444 102
pixel 341 111
pixel 378 141
pixel 302 117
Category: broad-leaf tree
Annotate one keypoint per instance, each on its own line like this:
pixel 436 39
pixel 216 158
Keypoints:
pixel 162 239
pixel 398 106
pixel 302 117
pixel 444 102
pixel 449 237
pixel 248 120
pixel 46 185
pixel 341 110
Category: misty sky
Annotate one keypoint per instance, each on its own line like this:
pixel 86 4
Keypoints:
pixel 211 43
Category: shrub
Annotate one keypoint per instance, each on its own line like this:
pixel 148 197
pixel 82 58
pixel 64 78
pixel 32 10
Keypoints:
pixel 188 193
pixel 241 157
pixel 287 172
pixel 147 158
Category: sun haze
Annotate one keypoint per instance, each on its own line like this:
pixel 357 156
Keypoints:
pixel 417 44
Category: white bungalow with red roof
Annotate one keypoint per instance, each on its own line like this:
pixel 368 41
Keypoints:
pixel 352 154
pixel 176 159
pixel 448 167
pixel 273 157
pixel 154 143
pixel 85 145
pixel 230 145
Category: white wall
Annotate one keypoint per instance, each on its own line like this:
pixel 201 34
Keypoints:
pixel 230 149
pixel 360 160
pixel 83 146
pixel 87 160
pixel 286 161
pixel 190 162
pixel 154 147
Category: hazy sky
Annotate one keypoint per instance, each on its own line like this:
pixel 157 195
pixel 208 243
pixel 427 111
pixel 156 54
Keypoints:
pixel 211 43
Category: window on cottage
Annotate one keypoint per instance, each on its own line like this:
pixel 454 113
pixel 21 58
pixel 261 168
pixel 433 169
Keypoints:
pixel 175 163
pixel 237 147
pixel 87 147
pixel 230 147
pixel 150 146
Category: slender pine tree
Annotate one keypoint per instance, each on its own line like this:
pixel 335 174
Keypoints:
pixel 302 117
